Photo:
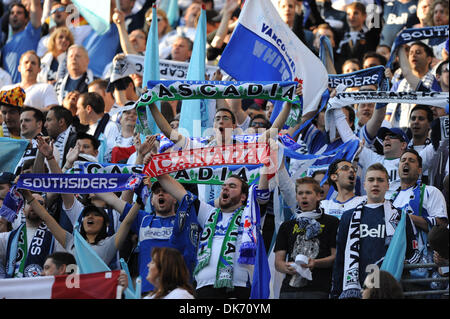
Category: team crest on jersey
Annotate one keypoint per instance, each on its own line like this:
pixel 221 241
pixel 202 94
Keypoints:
pixel 194 234
pixel 395 219
pixel 32 270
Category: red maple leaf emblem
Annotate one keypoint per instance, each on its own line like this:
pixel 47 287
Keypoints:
pixel 298 80
pixel 247 223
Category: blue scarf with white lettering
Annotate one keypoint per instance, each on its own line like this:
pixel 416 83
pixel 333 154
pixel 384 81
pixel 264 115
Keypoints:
pixel 416 34
pixel 78 183
pixel 24 260
pixel 369 76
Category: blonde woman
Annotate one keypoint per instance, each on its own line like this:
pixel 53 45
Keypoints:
pixel 53 63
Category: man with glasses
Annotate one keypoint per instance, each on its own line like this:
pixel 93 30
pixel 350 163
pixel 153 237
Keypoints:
pixel 342 176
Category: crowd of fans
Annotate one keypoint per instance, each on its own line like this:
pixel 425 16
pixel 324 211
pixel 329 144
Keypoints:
pixel 57 94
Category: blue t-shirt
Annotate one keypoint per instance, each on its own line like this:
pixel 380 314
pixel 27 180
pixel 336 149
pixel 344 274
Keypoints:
pixel 101 49
pixel 18 44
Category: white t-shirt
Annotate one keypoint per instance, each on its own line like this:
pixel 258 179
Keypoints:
pixel 178 293
pixel 207 276
pixel 335 208
pixel 39 95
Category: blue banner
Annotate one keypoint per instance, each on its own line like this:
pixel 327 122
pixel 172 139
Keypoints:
pixel 369 76
pixel 78 183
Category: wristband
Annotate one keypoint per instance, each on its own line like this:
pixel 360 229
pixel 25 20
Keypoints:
pixel 50 158
pixel 29 202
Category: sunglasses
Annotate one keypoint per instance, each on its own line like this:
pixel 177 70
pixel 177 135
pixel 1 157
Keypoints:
pixel 393 137
pixel 59 9
pixel 258 124
pixel 346 168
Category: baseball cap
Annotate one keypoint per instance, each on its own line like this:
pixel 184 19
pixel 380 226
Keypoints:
pixel 14 97
pixel 383 131
pixel 7 178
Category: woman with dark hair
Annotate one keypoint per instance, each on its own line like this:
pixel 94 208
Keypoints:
pixel 168 273
pixel 93 228
pixel 381 285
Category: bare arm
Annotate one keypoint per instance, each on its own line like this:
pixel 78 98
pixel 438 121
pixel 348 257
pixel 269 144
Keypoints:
pixel 406 68
pixel 47 151
pixel 374 124
pixel 236 108
pixel 125 226
pixel 119 20
pixel 58 232
pixel 35 13
pixel 164 126
pixel 172 186
pixel 222 30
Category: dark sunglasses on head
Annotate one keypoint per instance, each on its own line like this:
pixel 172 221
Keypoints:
pixel 59 9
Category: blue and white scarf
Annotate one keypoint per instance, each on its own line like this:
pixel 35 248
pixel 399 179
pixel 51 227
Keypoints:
pixel 24 261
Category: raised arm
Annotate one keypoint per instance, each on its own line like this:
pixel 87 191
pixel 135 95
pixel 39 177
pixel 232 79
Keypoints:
pixel 165 127
pixel 374 124
pixel 222 30
pixel 172 186
pixel 406 68
pixel 58 232
pixel 118 18
pixel 35 13
pixel 47 151
pixel 125 226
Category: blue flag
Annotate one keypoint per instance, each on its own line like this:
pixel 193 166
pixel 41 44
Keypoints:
pixel 12 151
pixel 264 48
pixel 97 13
pixel 173 13
pixel 192 111
pixel 88 261
pixel 395 256
pixel 151 67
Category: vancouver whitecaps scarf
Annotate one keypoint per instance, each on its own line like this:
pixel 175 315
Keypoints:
pixel 24 261
pixel 351 287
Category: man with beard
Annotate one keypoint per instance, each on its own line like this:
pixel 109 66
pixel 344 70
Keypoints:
pixel 219 273
pixel 24 250
pixel 342 176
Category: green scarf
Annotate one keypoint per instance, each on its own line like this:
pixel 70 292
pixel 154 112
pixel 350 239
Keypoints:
pixel 224 274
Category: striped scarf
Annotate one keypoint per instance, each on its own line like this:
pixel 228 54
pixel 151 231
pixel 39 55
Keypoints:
pixel 60 143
